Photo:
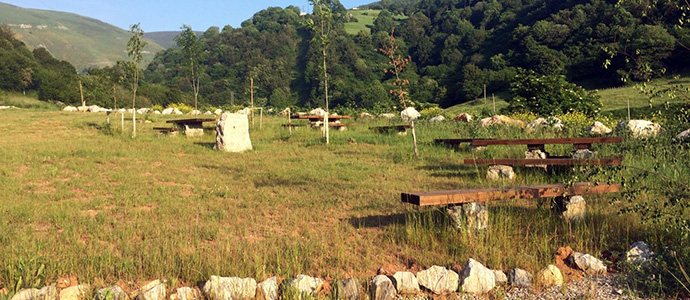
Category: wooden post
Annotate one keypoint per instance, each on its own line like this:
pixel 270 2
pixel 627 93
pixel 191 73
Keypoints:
pixel 289 112
pixel 107 117
pixel 414 139
pixel 232 98
pixel 485 94
pixel 261 117
pixel 81 93
pixel 251 93
pixel 114 100
pixel 493 99
pixel 628 109
pixel 123 122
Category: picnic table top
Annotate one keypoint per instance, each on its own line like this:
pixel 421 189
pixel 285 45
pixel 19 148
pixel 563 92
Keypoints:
pixel 557 161
pixel 193 120
pixel 312 117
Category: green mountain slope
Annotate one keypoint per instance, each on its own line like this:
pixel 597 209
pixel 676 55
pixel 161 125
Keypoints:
pixel 165 38
pixel 82 41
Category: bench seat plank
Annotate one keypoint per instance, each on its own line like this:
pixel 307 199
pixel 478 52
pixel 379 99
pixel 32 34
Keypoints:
pixel 444 197
pixel 615 161
pixel 574 141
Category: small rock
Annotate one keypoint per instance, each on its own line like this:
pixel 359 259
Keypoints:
pixel 306 284
pixel 437 119
pixel 463 117
pixel 639 254
pixel 366 115
pixel 167 111
pixel 47 293
pixel 439 280
pixel 77 292
pixel 317 112
pixel 536 154
pixel 232 133
pixel 267 289
pixel 218 112
pixel 598 128
pixel 572 208
pixel 382 288
pixel 640 128
pixel 500 120
pixel 208 113
pixel 476 278
pixel 348 289
pixel 684 136
pixel 187 293
pixel 519 278
pixel 500 172
pixel 113 293
pixel 25 294
pixel 587 263
pixel 387 116
pixel 500 277
pixel 550 276
pixel 143 111
pixel 409 114
pixel 154 290
pixel 583 154
pixel 177 111
pixel 543 123
pixel 195 112
pixel 156 112
pixel 230 288
pixel 406 283
pixel 70 109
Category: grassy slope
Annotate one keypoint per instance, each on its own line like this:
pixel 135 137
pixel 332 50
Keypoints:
pixel 82 41
pixel 365 17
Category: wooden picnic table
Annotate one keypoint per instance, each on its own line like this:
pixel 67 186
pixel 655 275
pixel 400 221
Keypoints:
pixel 191 127
pixel 315 118
pixel 534 144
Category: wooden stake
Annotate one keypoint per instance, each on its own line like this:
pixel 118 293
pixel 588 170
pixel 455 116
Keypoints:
pixel 123 122
pixel 628 109
pixel 261 118
pixel 414 139
pixel 493 99
pixel 485 94
pixel 81 93
pixel 114 100
pixel 251 93
pixel 289 112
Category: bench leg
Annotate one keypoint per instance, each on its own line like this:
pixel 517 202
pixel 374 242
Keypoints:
pixel 571 208
pixel 536 154
pixel 472 216
pixel 191 130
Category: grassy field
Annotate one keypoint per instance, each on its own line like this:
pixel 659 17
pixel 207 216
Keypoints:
pixel 365 18
pixel 84 199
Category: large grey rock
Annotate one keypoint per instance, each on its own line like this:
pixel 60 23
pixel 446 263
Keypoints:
pixel 476 278
pixel 587 263
pixel 500 120
pixel 439 280
pixel 348 289
pixel 70 109
pixel 572 208
pixel 550 276
pixel 500 172
pixel 437 119
pixel 598 128
pixel 409 114
pixel 545 123
pixel 267 289
pixel 306 284
pixel 318 112
pixel 187 293
pixel 78 292
pixel 143 111
pixel 684 136
pixel 167 111
pixel 154 290
pixel 113 293
pixel 640 128
pixel 382 288
pixel 232 133
pixel 519 278
pixel 639 254
pixel 500 277
pixel 473 216
pixel 25 294
pixel 406 283
pixel 230 288
pixel 463 117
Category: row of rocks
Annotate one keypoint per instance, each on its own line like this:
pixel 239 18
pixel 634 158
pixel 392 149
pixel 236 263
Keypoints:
pixel 6 107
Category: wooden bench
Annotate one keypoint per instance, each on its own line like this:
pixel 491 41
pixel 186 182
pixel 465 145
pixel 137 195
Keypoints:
pixel 551 161
pixel 449 197
pixel 165 130
pixel 453 142
pixel 191 127
pixel 388 129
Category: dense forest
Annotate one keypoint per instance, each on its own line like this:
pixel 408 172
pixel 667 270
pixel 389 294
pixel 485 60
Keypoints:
pixel 456 47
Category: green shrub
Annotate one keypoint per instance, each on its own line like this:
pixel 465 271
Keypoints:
pixel 182 107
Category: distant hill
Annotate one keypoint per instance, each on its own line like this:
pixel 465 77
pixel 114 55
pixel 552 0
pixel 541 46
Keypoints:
pixel 82 41
pixel 165 39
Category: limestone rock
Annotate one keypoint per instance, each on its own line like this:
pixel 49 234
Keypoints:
pixel 437 119
pixel 406 283
pixel 544 123
pixel 195 112
pixel 583 154
pixel 382 288
pixel 476 278
pixel 536 154
pixel 587 263
pixel 519 278
pixel 167 111
pixel 82 108
pixel 285 112
pixel 267 289
pixel 500 277
pixel 230 288
pixel 306 284
pixel 409 114
pixel 598 128
pixel 154 290
pixel 500 172
pixel 572 208
pixel 500 120
pixel 473 216
pixel 70 109
pixel 550 276
pixel 366 115
pixel 47 293
pixel 113 293
pixel 387 116
pixel 463 117
pixel 439 280
pixel 25 294
pixel 187 293
pixel 232 133
pixel 94 108
pixel 639 254
pixel 176 111
pixel 143 111
pixel 640 128
pixel 348 289
pixel 317 112
pixel 77 292
pixel 156 112
pixel 208 113
pixel 684 136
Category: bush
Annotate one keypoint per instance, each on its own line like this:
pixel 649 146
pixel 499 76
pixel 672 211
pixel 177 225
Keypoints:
pixel 182 107
pixel 430 112
pixel 550 94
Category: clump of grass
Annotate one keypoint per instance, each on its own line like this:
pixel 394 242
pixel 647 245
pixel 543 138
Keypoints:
pixel 25 101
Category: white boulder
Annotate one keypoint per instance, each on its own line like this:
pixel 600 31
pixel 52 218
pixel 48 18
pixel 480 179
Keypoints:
pixel 544 123
pixel 232 133
pixel 463 117
pixel 439 280
pixel 317 112
pixel 476 278
pixel 409 114
pixel 598 128
pixel 382 288
pixel 230 288
pixel 437 119
pixel 406 283
pixel 167 111
pixel 685 135
pixel 640 128
pixel 500 120
pixel 70 109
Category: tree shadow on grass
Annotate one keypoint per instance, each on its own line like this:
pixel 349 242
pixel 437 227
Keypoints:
pixel 205 144
pixel 375 221
pixel 450 170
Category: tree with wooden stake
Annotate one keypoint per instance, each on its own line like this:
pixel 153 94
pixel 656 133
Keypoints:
pixel 191 52
pixel 321 26
pixel 396 65
pixel 135 48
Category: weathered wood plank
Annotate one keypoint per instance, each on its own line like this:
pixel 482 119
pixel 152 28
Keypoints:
pixel 444 197
pixel 614 161
pixel 453 142
pixel 574 141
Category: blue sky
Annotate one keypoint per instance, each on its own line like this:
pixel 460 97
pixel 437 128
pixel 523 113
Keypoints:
pixel 168 15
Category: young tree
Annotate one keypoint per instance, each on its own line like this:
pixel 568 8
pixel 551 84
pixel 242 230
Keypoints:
pixel 191 52
pixel 135 48
pixel 396 65
pixel 27 78
pixel 321 26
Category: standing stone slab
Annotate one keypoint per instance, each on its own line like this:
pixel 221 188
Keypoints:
pixel 571 208
pixel 439 280
pixel 519 278
pixel 476 278
pixel 550 276
pixel 230 288
pixel 187 293
pixel 473 216
pixel 232 133
pixel 406 283
pixel 267 289
pixel 382 288
pixel 348 289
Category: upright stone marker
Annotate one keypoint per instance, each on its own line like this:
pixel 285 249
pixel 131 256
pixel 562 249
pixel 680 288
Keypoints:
pixel 232 133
